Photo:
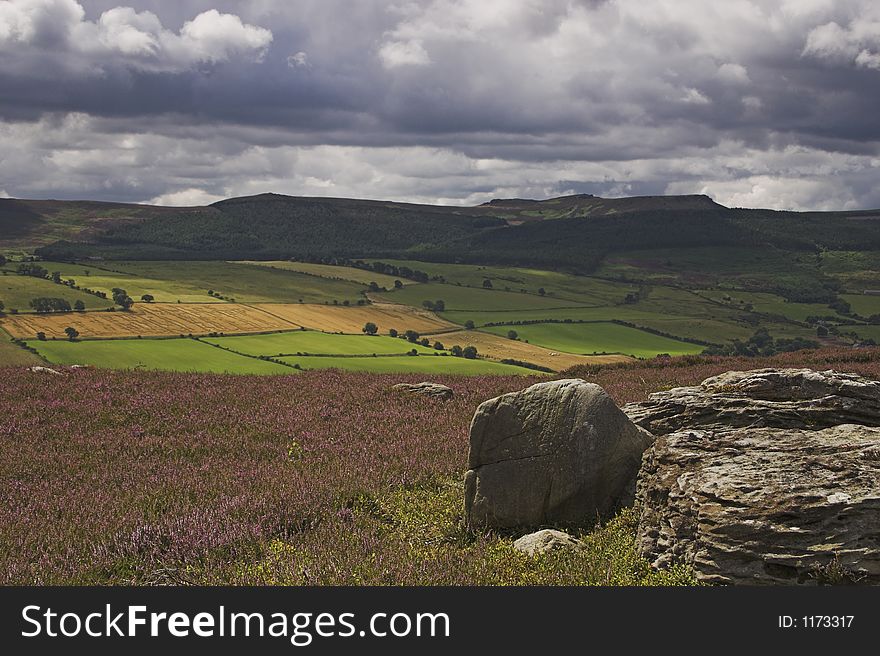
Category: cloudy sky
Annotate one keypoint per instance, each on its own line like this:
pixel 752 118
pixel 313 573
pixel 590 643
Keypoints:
pixel 758 103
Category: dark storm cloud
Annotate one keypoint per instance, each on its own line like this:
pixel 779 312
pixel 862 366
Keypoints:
pixel 755 102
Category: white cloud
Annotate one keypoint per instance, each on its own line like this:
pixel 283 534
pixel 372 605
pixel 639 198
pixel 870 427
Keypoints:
pixel 858 43
pixel 190 197
pixel 57 30
pixel 298 60
pixel 404 53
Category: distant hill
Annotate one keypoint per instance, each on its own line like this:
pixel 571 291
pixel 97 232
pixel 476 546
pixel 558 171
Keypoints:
pixel 571 232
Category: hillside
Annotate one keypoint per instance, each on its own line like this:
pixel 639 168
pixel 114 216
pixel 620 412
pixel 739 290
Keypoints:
pixel 574 233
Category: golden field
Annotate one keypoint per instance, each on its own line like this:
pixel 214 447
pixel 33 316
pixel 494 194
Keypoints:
pixel 340 319
pixel 150 320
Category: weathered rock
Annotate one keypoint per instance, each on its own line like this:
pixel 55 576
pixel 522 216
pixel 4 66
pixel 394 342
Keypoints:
pixel 541 542
pixel 784 398
pixel 434 390
pixel 557 453
pixel 764 505
pixel 45 370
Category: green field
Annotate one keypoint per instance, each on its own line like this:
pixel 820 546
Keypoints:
pixel 592 338
pixel 863 304
pixel 561 286
pixel 12 355
pixel 102 278
pixel 769 304
pixel 316 343
pixel 17 291
pixel 351 274
pixel 191 281
pixel 164 354
pixel 472 298
pixel 428 364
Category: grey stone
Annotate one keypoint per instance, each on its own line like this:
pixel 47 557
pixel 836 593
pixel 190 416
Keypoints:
pixel 45 370
pixel 544 541
pixel 557 453
pixel 783 398
pixel 434 390
pixel 764 505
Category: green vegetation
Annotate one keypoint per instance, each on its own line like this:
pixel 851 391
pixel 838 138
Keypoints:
pixel 469 298
pixel 160 354
pixel 588 338
pixel 428 364
pixel 351 274
pixel 17 291
pixel 12 355
pixel 315 343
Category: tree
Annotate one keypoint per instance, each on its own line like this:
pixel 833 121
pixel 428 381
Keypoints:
pixel 821 331
pixel 148 298
pixel 469 352
pixel 487 284
pixel 43 305
pixel 541 291
pixel 370 328
pixel 438 346
pixel 374 287
pixel 439 306
pixel 121 298
pixel 512 334
pixel 398 284
pixel 56 277
pixel 469 324
pixel 79 306
pixel 456 351
pixel 392 332
pixel 428 305
pixel 2 306
pixel 71 332
pixel 412 336
pixel 2 260
pixel 31 269
pixel 41 336
pixel 425 342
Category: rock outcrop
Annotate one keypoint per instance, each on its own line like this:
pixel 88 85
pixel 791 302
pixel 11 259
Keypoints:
pixel 433 390
pixel 766 476
pixel 545 541
pixel 764 505
pixel 45 370
pixel 558 453
pixel 783 398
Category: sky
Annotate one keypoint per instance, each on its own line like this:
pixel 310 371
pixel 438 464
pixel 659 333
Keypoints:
pixel 756 103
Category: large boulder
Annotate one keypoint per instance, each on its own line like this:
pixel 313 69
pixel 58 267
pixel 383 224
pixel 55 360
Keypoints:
pixel 764 505
pixel 782 398
pixel 557 453
pixel 433 390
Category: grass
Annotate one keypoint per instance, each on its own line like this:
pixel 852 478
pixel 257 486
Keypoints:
pixel 772 304
pixel 12 355
pixel 863 304
pixel 17 291
pixel 245 283
pixel 316 343
pixel 154 354
pixel 561 286
pixel 103 278
pixel 472 298
pixel 423 364
pixel 351 274
pixel 599 338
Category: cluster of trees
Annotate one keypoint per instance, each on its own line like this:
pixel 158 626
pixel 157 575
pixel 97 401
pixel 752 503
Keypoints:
pixel 762 344
pixel 32 269
pixel 434 306
pixel 392 270
pixel 121 298
pixel 44 305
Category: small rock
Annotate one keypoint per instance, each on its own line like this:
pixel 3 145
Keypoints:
pixel 45 370
pixel 434 390
pixel 541 542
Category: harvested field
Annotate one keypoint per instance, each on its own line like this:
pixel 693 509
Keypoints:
pixel 333 318
pixel 500 348
pixel 150 320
